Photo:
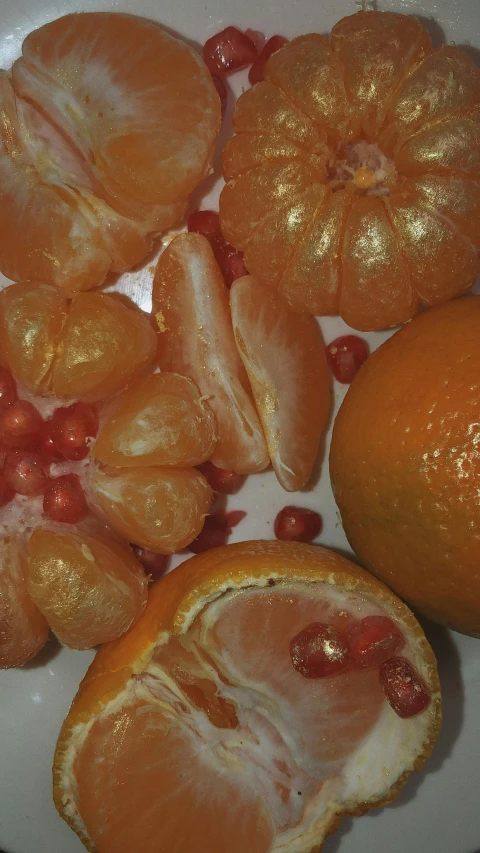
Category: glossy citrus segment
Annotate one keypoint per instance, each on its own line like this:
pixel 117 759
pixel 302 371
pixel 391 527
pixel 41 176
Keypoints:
pixel 90 590
pixel 284 356
pixel 162 509
pixel 404 477
pixel 196 723
pixel 190 303
pixel 23 629
pixel 162 420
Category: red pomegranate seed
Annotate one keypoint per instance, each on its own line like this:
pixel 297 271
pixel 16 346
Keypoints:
pixel 405 690
pixel 255 75
pixel 374 640
pixel 319 650
pixel 297 524
pixel 231 263
pixel 6 491
pixel 154 564
pixel 64 499
pixel 345 356
pixel 25 472
pixel 20 425
pixel 207 222
pixel 257 37
pixel 215 532
pixel 228 50
pixel 70 429
pixel 46 447
pixel 221 480
pixel 222 93
pixel 8 388
pixel 235 516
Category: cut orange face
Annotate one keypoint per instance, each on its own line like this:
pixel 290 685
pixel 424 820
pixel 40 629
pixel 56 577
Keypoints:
pixel 284 356
pixel 190 303
pixel 352 183
pixel 199 730
pixel 108 124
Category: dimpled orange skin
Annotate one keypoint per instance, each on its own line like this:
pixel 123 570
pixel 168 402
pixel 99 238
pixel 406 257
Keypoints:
pixel 180 594
pixel 405 467
pixel 374 242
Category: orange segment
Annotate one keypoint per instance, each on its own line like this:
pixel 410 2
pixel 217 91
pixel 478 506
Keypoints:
pixel 138 104
pixel 161 509
pixel 284 355
pixel 250 150
pixel 103 345
pixel 196 339
pixel 89 590
pixel 196 724
pixel 161 421
pixel 23 629
pixel 377 52
pixel 31 322
pixel 441 262
pixel 375 286
pixel 454 196
pixel 448 147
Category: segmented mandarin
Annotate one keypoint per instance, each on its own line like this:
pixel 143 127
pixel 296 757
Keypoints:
pixel 93 184
pixel 351 182
pixel 64 499
pixel 25 473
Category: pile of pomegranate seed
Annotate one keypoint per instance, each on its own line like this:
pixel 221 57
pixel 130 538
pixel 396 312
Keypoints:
pixel 29 445
pixel 230 261
pixel 345 356
pixel 154 564
pixel 255 75
pixel 216 530
pixel 220 480
pixel 297 524
pixel 320 650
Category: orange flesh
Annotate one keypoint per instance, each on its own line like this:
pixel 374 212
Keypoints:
pixel 23 629
pixel 190 302
pixel 232 747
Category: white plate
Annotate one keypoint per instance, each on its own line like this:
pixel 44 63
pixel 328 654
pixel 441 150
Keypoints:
pixel 438 809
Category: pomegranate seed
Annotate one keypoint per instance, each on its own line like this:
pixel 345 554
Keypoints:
pixel 297 524
pixel 228 50
pixel 25 472
pixel 222 93
pixel 257 37
pixel 70 429
pixel 64 499
pixel 6 491
pixel 46 447
pixel 255 75
pixel 319 650
pixel 374 640
pixel 207 222
pixel 8 388
pixel 403 687
pixel 154 564
pixel 20 425
pixel 215 532
pixel 234 517
pixel 231 263
pixel 221 480
pixel 345 356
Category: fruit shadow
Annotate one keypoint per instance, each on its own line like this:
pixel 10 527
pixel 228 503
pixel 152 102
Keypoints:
pixel 50 651
pixel 451 682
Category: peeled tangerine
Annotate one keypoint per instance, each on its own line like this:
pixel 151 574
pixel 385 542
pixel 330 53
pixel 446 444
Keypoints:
pixel 65 512
pixel 107 125
pixel 261 365
pixel 353 180
pixel 214 725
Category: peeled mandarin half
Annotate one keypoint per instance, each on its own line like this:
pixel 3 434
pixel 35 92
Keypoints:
pixel 23 629
pixel 284 356
pixel 162 420
pixel 322 192
pixel 108 124
pixel 198 730
pixel 161 509
pixel 90 590
pixel 190 303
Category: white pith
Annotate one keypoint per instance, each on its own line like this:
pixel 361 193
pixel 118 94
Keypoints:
pixel 359 154
pixel 389 750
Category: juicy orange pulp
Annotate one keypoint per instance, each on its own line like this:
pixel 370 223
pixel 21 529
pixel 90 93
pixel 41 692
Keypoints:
pixel 194 731
pixel 352 180
pixel 108 124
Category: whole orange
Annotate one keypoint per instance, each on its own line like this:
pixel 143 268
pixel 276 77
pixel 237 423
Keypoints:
pixel 405 464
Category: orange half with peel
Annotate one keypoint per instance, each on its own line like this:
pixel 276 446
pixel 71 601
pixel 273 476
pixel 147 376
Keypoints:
pixel 352 181
pixel 196 730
